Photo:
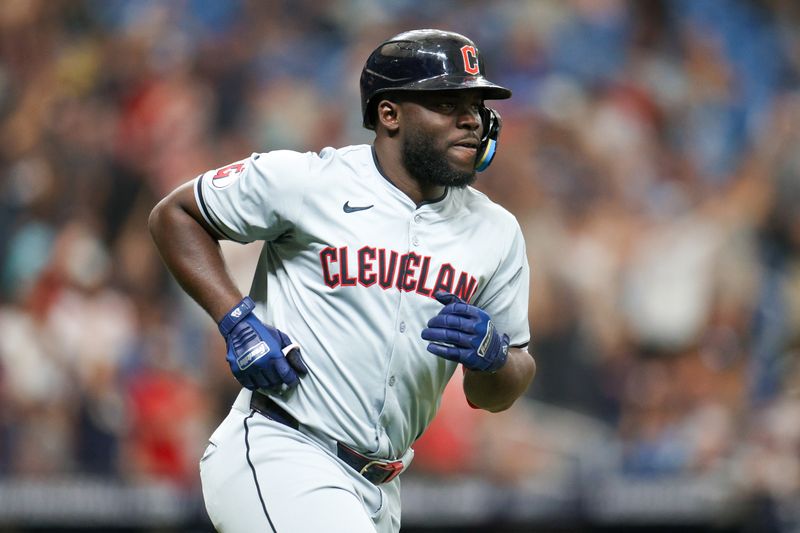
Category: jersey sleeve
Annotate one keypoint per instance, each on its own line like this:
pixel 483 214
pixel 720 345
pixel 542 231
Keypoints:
pixel 258 198
pixel 506 295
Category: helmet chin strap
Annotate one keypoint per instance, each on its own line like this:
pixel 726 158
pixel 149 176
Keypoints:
pixel 488 147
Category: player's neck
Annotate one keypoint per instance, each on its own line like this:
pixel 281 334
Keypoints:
pixel 391 166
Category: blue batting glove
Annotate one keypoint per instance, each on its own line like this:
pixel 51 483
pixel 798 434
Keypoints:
pixel 465 334
pixel 260 356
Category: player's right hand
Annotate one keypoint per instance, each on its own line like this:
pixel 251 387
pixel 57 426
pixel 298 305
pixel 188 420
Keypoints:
pixel 260 356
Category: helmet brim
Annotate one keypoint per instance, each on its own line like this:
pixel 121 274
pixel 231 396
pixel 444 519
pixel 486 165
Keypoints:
pixel 450 82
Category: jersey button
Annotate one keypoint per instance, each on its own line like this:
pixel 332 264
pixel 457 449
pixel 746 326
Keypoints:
pixel 417 219
pixel 391 381
pixel 415 240
pixel 402 327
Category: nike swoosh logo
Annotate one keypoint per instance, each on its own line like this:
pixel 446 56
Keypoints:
pixel 347 208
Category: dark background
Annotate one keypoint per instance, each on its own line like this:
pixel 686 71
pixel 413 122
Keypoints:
pixel 650 153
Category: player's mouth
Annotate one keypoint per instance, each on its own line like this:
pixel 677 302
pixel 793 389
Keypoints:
pixel 467 148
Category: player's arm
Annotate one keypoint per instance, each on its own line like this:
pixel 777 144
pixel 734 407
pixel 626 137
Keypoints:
pixel 260 356
pixel 495 373
pixel 191 252
pixel 497 391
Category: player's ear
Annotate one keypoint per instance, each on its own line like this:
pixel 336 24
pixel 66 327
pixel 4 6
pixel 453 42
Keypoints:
pixel 388 114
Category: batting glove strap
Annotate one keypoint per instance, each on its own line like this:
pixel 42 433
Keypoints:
pixel 496 354
pixel 236 315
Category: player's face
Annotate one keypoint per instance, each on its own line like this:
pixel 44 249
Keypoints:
pixel 442 135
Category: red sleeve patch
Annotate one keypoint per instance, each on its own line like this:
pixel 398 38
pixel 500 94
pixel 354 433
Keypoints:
pixel 227 175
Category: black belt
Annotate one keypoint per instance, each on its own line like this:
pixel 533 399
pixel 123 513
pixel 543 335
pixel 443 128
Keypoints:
pixel 374 470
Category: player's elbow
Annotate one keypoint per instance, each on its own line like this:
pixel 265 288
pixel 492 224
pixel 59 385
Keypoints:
pixel 494 403
pixel 171 213
pixel 500 407
pixel 155 222
pixel 498 392
pixel 167 222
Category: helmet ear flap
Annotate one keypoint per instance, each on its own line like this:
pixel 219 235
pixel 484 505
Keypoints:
pixel 492 123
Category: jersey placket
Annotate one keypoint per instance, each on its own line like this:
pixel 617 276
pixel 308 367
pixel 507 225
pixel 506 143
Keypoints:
pixel 412 246
pixel 402 328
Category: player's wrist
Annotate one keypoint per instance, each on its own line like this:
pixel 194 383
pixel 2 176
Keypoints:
pixel 492 349
pixel 235 315
pixel 498 350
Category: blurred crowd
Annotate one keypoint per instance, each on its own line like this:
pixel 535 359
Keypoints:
pixel 651 153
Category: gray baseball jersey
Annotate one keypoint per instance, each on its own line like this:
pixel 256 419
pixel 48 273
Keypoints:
pixel 348 270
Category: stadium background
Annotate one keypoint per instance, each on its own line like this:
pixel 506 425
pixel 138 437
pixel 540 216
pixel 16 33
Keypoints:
pixel 651 153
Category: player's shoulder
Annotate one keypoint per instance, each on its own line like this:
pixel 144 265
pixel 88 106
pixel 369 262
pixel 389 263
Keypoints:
pixel 354 152
pixel 354 157
pixel 496 222
pixel 479 204
pixel 313 162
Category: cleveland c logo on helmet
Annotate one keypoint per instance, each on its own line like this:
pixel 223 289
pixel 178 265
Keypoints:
pixel 470 56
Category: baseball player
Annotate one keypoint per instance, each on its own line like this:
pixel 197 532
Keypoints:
pixel 381 273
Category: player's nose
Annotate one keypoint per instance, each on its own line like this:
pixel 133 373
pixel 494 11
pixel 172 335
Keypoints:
pixel 469 118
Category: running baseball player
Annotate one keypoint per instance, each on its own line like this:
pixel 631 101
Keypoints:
pixel 381 273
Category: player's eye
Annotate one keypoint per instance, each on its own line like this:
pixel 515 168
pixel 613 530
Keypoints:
pixel 445 107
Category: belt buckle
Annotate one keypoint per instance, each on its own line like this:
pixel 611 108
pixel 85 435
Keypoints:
pixel 379 472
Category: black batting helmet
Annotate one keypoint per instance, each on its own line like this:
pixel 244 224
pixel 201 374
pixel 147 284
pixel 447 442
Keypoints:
pixel 424 60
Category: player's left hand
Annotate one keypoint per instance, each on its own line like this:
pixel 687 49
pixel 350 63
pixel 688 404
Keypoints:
pixel 465 333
